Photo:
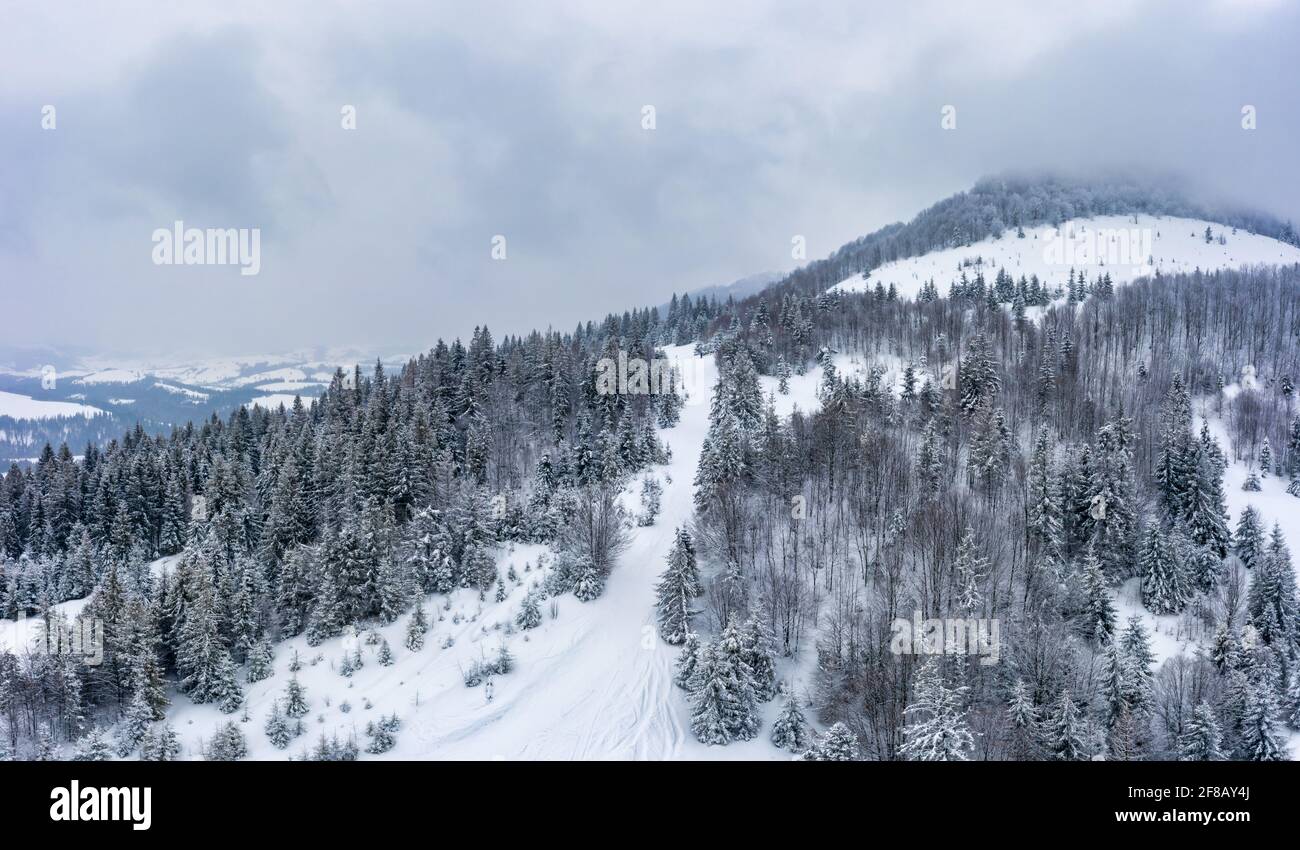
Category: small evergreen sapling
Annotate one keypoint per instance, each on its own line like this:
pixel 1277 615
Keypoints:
pixel 277 727
pixel 93 746
pixel 836 744
pixel 790 731
pixel 260 661
pixel 530 612
pixel 295 699
pixel 228 743
pixel 165 746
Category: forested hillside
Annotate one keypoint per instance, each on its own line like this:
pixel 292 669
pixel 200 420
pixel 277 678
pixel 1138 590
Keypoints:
pixel 1095 483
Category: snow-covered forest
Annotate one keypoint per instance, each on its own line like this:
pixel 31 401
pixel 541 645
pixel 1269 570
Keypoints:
pixel 489 552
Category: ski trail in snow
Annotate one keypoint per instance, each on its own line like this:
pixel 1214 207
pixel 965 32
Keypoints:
pixel 615 694
pixel 591 682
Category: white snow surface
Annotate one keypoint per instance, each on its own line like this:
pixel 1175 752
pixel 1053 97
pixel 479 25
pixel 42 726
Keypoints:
pixel 290 386
pixel 1177 245
pixel 274 400
pixel 195 396
pixel 25 407
pixel 286 374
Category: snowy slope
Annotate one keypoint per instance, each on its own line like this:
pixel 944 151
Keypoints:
pixel 274 400
pixel 594 682
pixel 25 407
pixel 1115 244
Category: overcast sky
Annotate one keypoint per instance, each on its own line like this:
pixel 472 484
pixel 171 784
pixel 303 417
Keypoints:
pixel 525 120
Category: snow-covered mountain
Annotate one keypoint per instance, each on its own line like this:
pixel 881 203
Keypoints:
pixel 1123 246
pixel 80 399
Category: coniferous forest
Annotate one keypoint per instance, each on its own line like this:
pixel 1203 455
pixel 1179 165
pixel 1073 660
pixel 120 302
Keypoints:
pixel 1050 458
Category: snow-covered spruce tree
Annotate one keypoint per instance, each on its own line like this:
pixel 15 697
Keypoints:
pixel 1249 537
pixel 385 654
pixel 260 661
pixel 1119 695
pixel 278 730
pixel 428 547
pixel 1044 499
pixel 713 698
pixel 1201 739
pixel 977 376
pixel 684 551
pixel 688 661
pixel 381 736
pixel 295 590
pixel 1251 484
pixel 1024 741
pixel 929 462
pixel 1271 601
pixel 1291 706
pixel 1114 491
pixel 790 729
pixel 416 628
pixel 970 568
pixel 1065 733
pixel 1206 516
pixel 1099 611
pixel 1202 565
pixel 673 599
pixel 651 492
pixel 206 668
pixel 1177 453
pixel 1223 649
pixel 838 743
pixel 783 376
pixel 589 581
pixel 46 749
pixel 759 653
pixel 1262 738
pixel 93 746
pixel 731 665
pixel 1165 589
pixel 1136 648
pixel 530 612
pixel 139 717
pixel 162 745
pixel 539 500
pixel 228 743
pixel 936 728
pixel 295 699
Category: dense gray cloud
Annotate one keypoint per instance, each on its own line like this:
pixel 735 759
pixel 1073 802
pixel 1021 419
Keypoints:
pixel 525 120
